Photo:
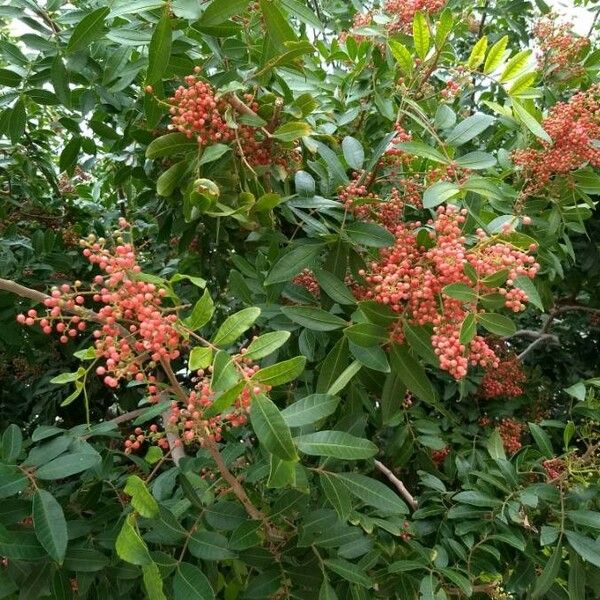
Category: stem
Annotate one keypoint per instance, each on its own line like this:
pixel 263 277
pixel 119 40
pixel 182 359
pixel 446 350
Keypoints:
pixel 397 483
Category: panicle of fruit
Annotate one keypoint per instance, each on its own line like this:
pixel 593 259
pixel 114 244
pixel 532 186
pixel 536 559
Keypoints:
pixel 410 278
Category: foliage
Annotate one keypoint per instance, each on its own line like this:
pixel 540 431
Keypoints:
pixel 331 330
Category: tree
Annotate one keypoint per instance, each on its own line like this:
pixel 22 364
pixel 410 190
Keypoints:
pixel 298 300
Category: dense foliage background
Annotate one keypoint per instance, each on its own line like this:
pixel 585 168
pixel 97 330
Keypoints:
pixel 333 328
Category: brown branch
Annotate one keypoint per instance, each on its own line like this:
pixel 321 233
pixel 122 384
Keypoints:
pixel 543 337
pixel 239 106
pixel 397 483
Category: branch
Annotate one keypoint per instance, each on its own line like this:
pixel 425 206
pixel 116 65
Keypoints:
pixel 543 337
pixel 570 307
pixel 397 484
pixel 239 106
pixel 531 334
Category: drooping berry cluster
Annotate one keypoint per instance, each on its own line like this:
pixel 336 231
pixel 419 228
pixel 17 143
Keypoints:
pixel 402 12
pixel 510 431
pixel 559 48
pixel 134 331
pixel 410 278
pixel 573 127
pixel 135 440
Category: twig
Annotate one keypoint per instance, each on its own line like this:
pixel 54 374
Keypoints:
pixel 593 23
pixel 397 483
pixel 543 337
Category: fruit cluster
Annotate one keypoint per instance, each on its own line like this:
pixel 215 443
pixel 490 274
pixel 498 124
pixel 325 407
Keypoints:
pixel 573 127
pixel 191 421
pixel 134 331
pixel 306 279
pixel 410 279
pixel 505 380
pixel 554 468
pixel 402 12
pixel 558 47
pixel 196 112
pixel 439 456
pixel 510 431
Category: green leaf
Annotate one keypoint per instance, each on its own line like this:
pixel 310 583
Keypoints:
pixel 476 498
pixel 200 358
pixel 326 592
pixel 548 576
pixel 281 372
pixel 372 357
pixel 129 545
pixel 402 56
pixel 497 324
pixel 235 325
pixel 213 153
pixel 494 57
pixel 336 493
pixel 515 65
pixel 530 122
pixel 459 580
pixel 369 234
pixel 153 583
pixel 334 165
pixel 468 329
pixel 423 150
pixel 587 548
pixel 292 131
pixel 495 446
pixel 353 153
pixel 469 128
pixel 68 156
pixel 576 576
pixel 366 334
pixel 60 80
pixel 373 493
pixel 460 291
pixel 419 338
pixel 67 465
pixel 9 78
pixel 476 160
pixel 201 313
pixel 266 344
pixel 12 442
pixel 439 193
pixel 524 283
pixel 344 378
pixel 49 524
pixel 412 374
pixel 335 288
pixel 17 121
pixel 141 499
pixel 219 11
pixel 336 444
pixel 210 545
pixel 246 535
pixel 87 30
pixel 348 571
pixel 169 144
pixel 587 518
pixel 159 51
pixel 12 481
pixel 542 440
pixel 291 263
pixel 305 184
pixel 421 35
pixel 312 318
pixel 271 428
pixel 170 180
pixel 310 409
pixel 277 26
pixel 478 53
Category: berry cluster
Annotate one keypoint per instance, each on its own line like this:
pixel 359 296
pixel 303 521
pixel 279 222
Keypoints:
pixel 439 456
pixel 402 12
pixel 197 113
pixel 573 127
pixel 558 47
pixel 510 431
pixel 135 332
pixel 135 440
pixel 554 468
pixel 410 278
pixel 306 279
pixel 190 420
pixel 505 380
